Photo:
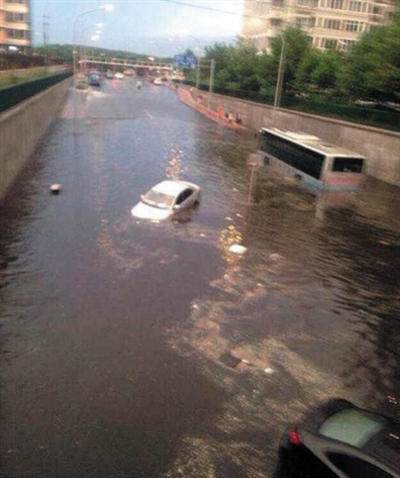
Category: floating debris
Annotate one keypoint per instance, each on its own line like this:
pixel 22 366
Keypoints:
pixel 55 188
pixel 269 371
pixel 238 214
pixel 202 234
pixel 275 257
pixel 230 360
pixel 228 218
pixel 384 242
pixel 237 249
pixel 195 307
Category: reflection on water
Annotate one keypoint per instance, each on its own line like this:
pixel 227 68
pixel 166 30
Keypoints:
pixel 113 329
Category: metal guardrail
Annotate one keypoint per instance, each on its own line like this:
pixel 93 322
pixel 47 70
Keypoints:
pixel 14 94
pixel 370 116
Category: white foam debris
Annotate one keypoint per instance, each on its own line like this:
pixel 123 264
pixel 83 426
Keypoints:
pixel 237 249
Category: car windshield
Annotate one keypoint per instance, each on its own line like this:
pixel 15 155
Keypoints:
pixel 354 427
pixel 158 199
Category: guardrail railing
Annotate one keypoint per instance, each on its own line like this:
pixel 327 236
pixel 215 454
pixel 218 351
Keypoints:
pixel 14 94
pixel 378 116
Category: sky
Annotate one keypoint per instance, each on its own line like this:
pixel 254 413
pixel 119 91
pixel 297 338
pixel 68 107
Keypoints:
pixel 155 27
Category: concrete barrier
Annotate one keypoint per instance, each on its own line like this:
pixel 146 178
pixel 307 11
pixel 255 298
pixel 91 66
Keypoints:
pixel 381 147
pixel 22 126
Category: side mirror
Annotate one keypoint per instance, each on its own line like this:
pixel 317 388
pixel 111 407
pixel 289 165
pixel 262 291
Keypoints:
pixel 177 207
pixel 142 197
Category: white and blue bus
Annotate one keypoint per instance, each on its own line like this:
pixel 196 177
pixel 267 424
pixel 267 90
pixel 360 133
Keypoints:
pixel 320 165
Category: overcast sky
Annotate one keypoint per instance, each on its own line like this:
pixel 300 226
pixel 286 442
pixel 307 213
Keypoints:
pixel 155 27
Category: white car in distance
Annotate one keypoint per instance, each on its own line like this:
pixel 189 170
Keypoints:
pixel 166 199
pixel 119 75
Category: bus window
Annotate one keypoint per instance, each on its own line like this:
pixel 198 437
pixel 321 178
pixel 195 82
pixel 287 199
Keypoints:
pixel 347 165
pixel 293 154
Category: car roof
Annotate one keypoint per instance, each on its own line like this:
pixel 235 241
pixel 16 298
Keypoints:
pixel 173 188
pixel 383 445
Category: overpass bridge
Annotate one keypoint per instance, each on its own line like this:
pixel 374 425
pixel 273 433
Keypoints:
pixel 121 62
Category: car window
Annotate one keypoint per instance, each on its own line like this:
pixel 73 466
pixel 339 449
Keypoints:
pixel 184 195
pixel 354 427
pixel 356 467
pixel 347 165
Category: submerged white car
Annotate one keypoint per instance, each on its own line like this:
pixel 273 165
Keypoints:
pixel 166 199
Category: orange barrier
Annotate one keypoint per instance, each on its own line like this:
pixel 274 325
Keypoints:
pixel 218 116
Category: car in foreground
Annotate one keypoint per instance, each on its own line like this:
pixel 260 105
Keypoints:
pixel 339 439
pixel 167 199
pixel 119 75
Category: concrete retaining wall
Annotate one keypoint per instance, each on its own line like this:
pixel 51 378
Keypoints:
pixel 22 127
pixel 381 147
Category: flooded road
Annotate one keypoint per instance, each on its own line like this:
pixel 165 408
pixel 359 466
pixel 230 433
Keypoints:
pixel 118 336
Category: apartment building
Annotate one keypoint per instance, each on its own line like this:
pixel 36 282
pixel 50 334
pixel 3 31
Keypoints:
pixel 15 25
pixel 328 23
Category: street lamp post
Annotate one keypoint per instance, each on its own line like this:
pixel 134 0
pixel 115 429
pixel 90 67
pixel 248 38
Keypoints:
pixel 279 80
pixel 108 7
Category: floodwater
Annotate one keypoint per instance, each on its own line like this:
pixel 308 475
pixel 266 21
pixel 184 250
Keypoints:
pixel 119 337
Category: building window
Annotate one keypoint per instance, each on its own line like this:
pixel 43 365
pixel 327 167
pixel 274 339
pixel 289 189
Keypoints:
pixel 377 11
pixel 353 26
pixel 16 1
pixel 16 17
pixel 17 34
pixel 332 23
pixel 329 43
pixel 337 4
pixel 305 21
pixel 276 22
pixel 355 6
pixel 344 45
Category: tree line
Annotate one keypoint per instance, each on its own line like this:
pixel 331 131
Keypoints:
pixel 64 52
pixel 369 70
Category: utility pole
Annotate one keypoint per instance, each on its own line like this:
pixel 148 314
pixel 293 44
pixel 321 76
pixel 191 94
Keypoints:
pixel 212 69
pixel 45 26
pixel 198 73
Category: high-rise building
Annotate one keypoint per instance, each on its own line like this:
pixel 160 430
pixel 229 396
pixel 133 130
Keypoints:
pixel 328 23
pixel 15 25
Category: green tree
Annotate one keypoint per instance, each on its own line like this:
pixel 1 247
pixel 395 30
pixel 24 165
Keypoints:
pixel 297 46
pixel 325 74
pixel 372 67
pixel 308 64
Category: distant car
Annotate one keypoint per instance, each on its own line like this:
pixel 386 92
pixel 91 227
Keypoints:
pixel 129 72
pixel 119 76
pixel 167 199
pixel 109 75
pixel 339 439
pixel 157 81
pixel 94 80
pixel 81 84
